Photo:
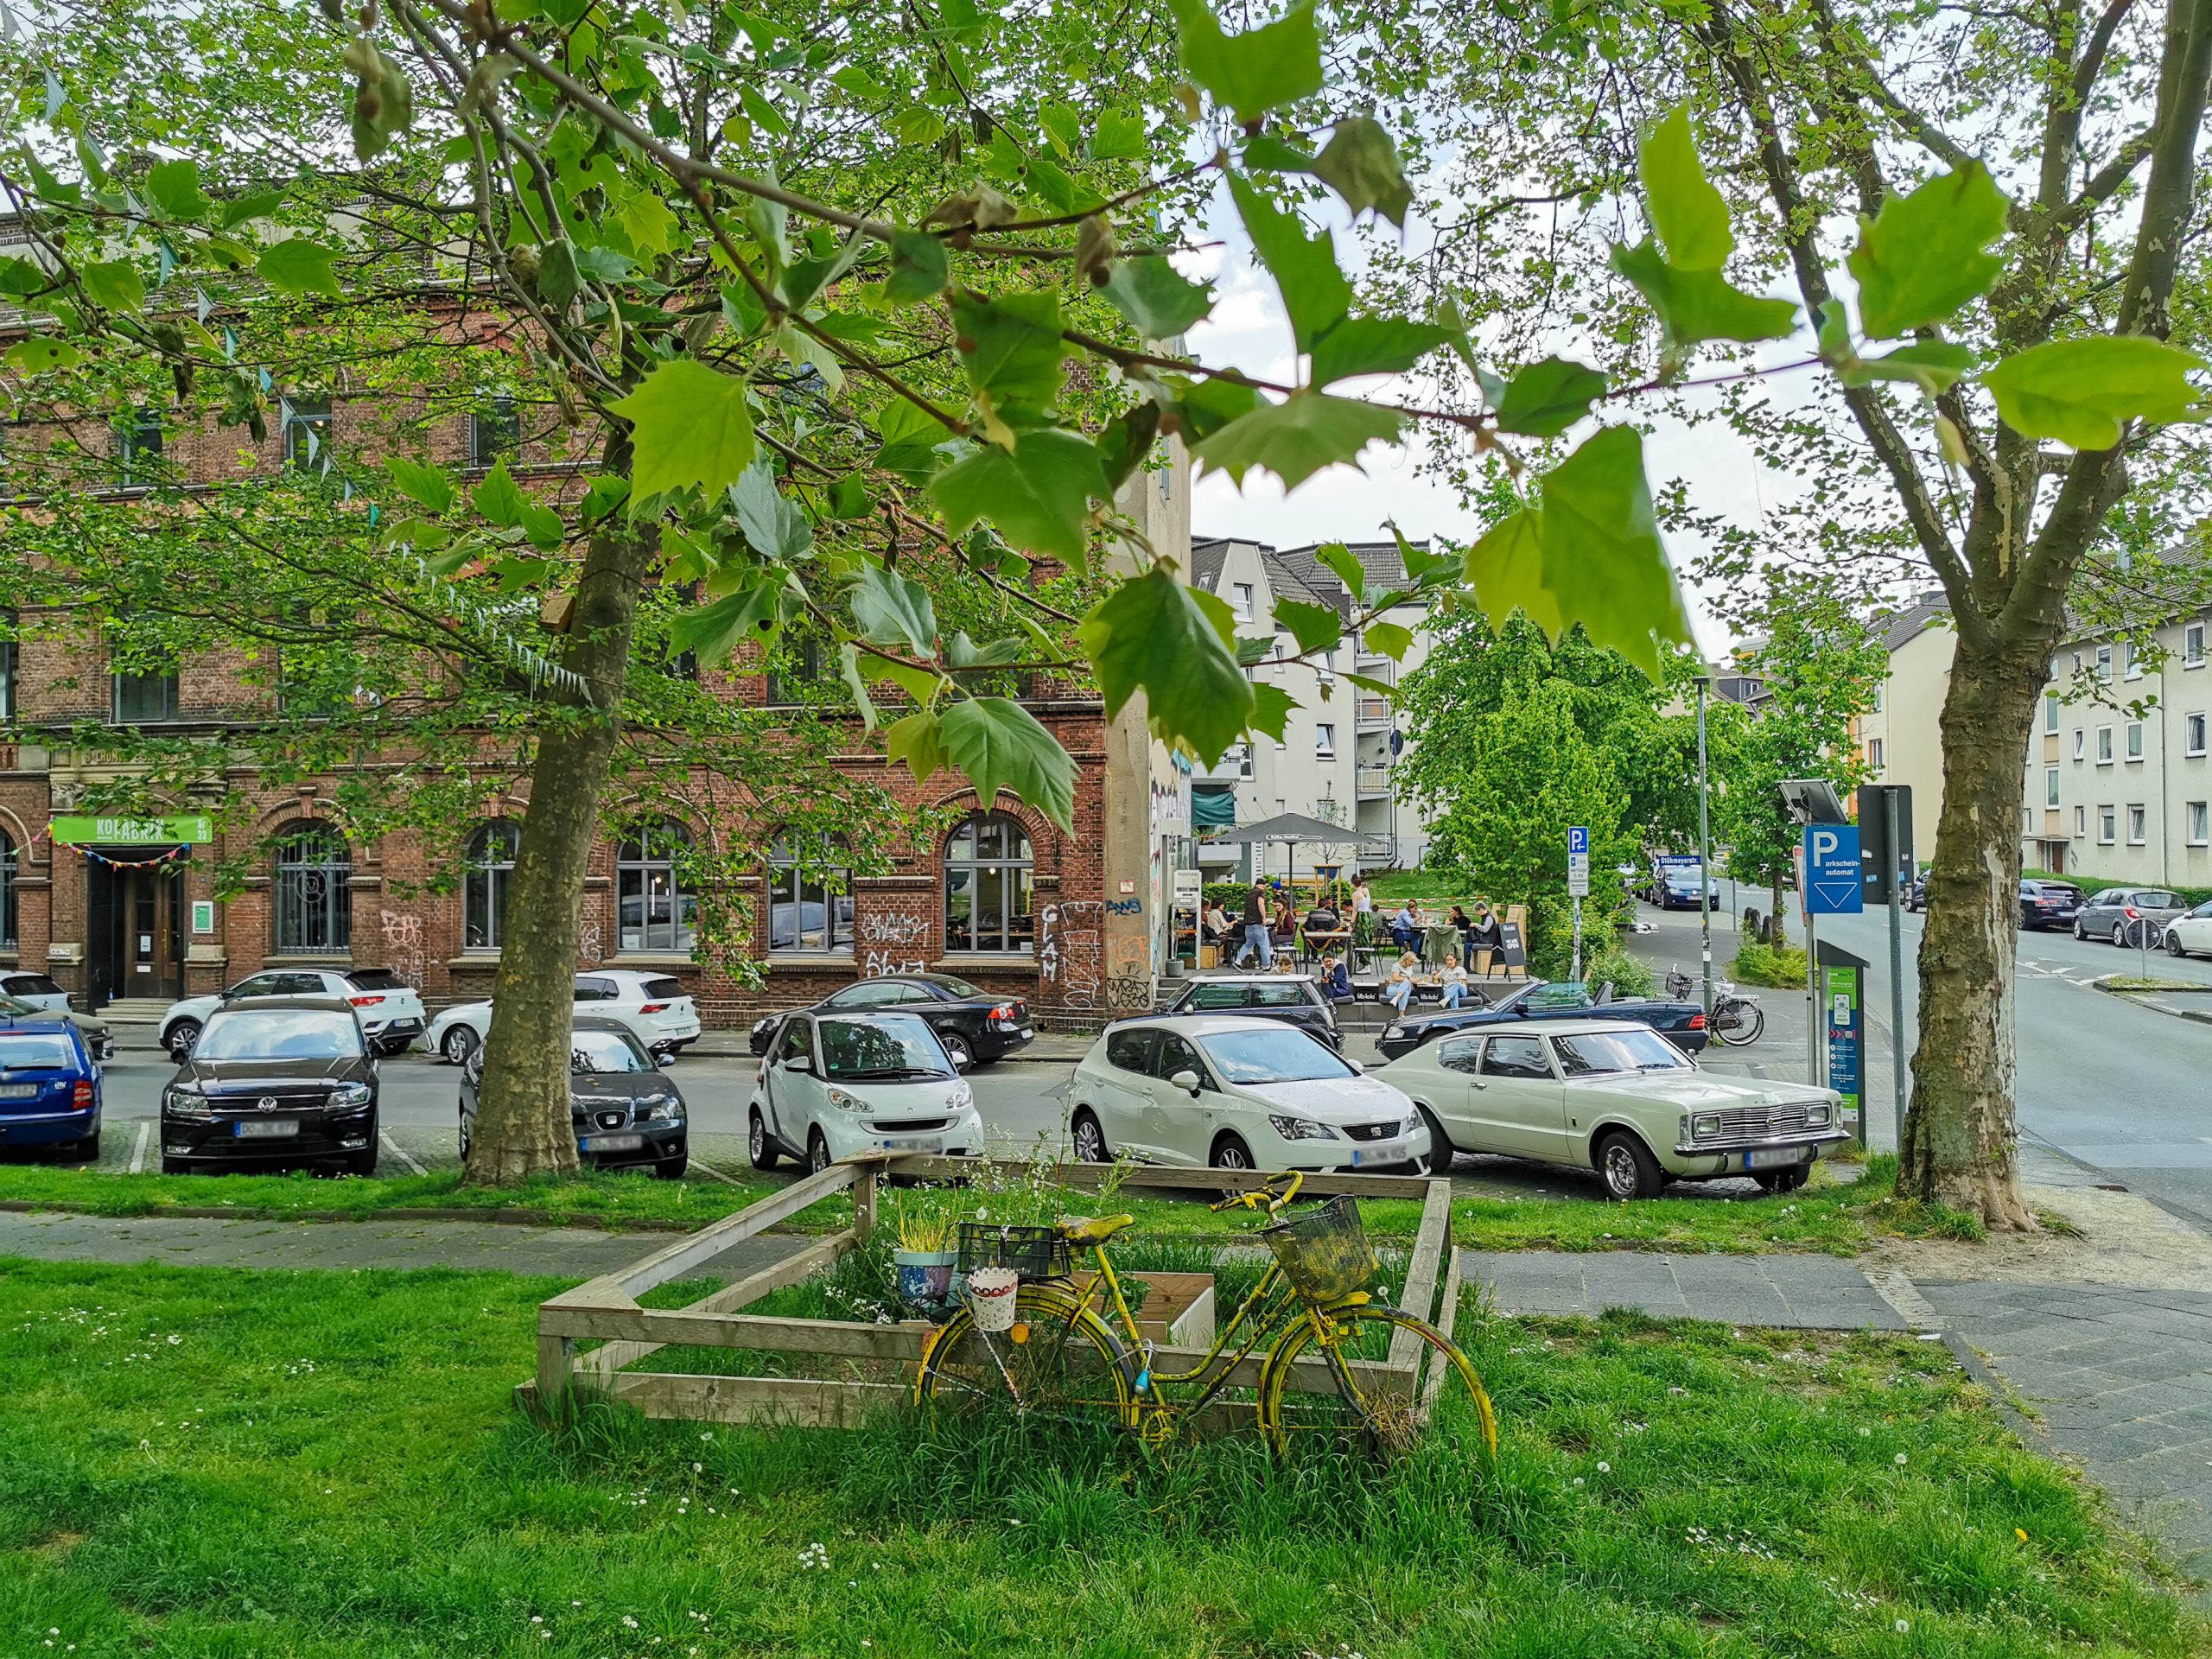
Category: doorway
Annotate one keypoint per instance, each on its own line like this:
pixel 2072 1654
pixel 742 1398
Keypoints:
pixel 134 928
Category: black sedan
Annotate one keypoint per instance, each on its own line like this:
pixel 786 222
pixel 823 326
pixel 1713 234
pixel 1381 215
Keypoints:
pixel 625 1111
pixel 2049 904
pixel 288 1079
pixel 1681 1023
pixel 1294 999
pixel 975 1026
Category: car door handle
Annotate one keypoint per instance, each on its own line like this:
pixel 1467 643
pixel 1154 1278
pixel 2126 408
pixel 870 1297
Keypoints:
pixel 1481 1083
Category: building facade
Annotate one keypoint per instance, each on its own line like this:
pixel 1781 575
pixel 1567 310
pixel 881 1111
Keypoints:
pixel 1900 738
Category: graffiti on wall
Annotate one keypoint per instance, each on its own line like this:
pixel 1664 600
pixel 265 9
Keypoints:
pixel 1070 952
pixel 589 949
pixel 893 942
pixel 403 945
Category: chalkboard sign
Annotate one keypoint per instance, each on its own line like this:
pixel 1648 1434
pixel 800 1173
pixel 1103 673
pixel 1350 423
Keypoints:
pixel 1515 952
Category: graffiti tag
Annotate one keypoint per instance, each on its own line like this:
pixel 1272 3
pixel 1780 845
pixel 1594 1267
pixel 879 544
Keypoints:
pixel 403 945
pixel 893 942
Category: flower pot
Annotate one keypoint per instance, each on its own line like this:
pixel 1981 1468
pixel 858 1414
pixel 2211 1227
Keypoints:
pixel 924 1276
pixel 990 1294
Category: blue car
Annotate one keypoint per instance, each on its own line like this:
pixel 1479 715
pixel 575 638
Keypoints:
pixel 49 1089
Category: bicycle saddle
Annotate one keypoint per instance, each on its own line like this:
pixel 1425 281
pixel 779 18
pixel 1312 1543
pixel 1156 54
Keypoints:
pixel 1082 1232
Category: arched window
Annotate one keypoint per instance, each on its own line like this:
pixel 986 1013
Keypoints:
pixel 7 888
pixel 484 892
pixel 807 914
pixel 653 913
pixel 314 899
pixel 988 885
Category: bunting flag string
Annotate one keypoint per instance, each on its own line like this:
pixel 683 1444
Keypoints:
pixel 172 856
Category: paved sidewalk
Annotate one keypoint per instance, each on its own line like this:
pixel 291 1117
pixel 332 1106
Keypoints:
pixel 1820 1293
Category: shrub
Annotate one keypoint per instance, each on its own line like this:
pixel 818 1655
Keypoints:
pixel 1780 966
pixel 1629 977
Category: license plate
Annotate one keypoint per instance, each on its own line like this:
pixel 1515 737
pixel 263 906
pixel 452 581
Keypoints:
pixel 18 1092
pixel 266 1129
pixel 914 1142
pixel 1386 1152
pixel 1774 1157
pixel 1027 1032
pixel 613 1142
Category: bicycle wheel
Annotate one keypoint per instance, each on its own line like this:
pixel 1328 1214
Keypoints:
pixel 1744 1021
pixel 1060 1359
pixel 1451 1409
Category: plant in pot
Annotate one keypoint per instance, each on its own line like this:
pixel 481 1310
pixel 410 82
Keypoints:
pixel 928 1225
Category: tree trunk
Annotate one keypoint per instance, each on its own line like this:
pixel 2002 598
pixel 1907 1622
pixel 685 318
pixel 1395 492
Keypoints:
pixel 523 1123
pixel 1959 1137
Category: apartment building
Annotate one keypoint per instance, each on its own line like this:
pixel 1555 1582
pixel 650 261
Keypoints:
pixel 1900 738
pixel 1338 756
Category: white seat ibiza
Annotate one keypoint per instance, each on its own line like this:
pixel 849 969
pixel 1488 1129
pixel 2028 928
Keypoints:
pixel 1235 1092
pixel 837 1083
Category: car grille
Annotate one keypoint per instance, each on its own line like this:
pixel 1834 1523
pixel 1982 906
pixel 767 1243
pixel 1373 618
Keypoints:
pixel 293 1099
pixel 604 1118
pixel 1371 1131
pixel 1760 1119
pixel 910 1125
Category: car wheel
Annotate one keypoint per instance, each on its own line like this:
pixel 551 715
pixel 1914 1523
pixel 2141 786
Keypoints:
pixel 1784 1180
pixel 1231 1152
pixel 184 1036
pixel 1090 1140
pixel 175 1165
pixel 817 1153
pixel 458 1044
pixel 957 1049
pixel 2080 931
pixel 464 1140
pixel 1627 1168
pixel 360 1163
pixel 1441 1154
pixel 672 1169
pixel 86 1151
pixel 2120 935
pixel 758 1146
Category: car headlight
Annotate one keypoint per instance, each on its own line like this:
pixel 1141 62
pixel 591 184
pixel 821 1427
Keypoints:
pixel 1301 1128
pixel 1705 1124
pixel 962 1098
pixel 1817 1114
pixel 844 1102
pixel 1392 1032
pixel 185 1100
pixel 661 1109
pixel 349 1096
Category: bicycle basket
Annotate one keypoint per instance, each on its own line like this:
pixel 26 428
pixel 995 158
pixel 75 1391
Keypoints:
pixel 1032 1252
pixel 1324 1252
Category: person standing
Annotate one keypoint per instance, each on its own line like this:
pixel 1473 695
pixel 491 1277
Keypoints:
pixel 1256 938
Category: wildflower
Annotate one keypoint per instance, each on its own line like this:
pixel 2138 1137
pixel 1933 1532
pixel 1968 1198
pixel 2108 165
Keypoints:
pixel 1578 1480
pixel 2021 1533
pixel 1903 1625
pixel 1898 1459
pixel 1604 1468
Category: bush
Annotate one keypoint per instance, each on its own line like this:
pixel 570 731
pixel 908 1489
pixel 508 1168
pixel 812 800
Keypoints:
pixel 1230 895
pixel 2091 885
pixel 1780 966
pixel 1629 977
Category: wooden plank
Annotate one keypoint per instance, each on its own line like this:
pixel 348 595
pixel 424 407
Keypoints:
pixel 866 1183
pixel 1430 1242
pixel 1447 1315
pixel 609 1358
pixel 555 1356
pixel 889 1342
pixel 674 1261
pixel 803 1401
pixel 1086 1177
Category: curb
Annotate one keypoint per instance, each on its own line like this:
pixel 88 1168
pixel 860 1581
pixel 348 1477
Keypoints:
pixel 324 1217
pixel 2148 999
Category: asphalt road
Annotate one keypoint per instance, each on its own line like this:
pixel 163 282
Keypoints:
pixel 2123 1089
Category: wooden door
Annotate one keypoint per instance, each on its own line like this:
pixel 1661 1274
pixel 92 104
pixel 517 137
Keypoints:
pixel 153 951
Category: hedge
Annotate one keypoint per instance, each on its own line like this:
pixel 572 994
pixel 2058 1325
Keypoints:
pixel 2091 885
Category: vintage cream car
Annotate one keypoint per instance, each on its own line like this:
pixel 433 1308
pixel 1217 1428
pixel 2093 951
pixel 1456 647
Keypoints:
pixel 1616 1097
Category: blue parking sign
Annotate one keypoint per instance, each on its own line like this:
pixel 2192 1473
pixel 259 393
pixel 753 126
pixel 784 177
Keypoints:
pixel 1578 839
pixel 1834 884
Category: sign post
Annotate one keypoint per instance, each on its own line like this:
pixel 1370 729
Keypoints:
pixel 1578 882
pixel 1833 884
pixel 1885 814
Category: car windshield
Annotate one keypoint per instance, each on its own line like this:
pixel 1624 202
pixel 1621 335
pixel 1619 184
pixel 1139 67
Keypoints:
pixel 34 1051
pixel 375 979
pixel 958 986
pixel 1280 1054
pixel 279 1034
pixel 606 1050
pixel 1588 1053
pixel 1554 993
pixel 894 1047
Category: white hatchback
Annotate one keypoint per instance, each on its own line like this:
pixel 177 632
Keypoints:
pixel 654 1007
pixel 837 1083
pixel 1235 1092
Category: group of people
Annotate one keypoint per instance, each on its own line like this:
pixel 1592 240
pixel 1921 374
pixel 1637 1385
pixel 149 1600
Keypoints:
pixel 1269 922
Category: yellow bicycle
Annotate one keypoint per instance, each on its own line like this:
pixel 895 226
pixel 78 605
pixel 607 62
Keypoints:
pixel 1380 1375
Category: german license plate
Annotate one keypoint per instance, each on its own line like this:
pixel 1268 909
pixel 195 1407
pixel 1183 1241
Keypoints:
pixel 1383 1152
pixel 1774 1157
pixel 18 1092
pixel 266 1129
pixel 1027 1032
pixel 613 1142
pixel 914 1142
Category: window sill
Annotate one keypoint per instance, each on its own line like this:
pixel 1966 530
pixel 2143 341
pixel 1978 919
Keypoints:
pixel 953 960
pixel 308 960
pixel 811 961
pixel 626 959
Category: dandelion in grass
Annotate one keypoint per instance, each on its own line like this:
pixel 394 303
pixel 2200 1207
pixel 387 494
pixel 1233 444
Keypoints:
pixel 1604 1468
pixel 1898 1459
pixel 1903 1625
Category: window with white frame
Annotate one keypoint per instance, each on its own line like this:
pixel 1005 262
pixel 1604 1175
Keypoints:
pixel 2104 745
pixel 2080 742
pixel 2196 822
pixel 2131 666
pixel 2050 713
pixel 2134 740
pixel 1324 741
pixel 1878 700
pixel 2192 645
pixel 2108 825
pixel 1240 599
pixel 2138 826
pixel 2080 820
pixel 2104 662
pixel 2192 731
pixel 1874 753
pixel 2050 785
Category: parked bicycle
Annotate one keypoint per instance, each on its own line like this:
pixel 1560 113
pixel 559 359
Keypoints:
pixel 1062 1356
pixel 1737 1017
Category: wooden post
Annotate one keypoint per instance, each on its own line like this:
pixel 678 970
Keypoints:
pixel 556 1357
pixel 865 1179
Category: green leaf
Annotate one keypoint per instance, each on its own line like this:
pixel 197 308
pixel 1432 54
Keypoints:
pixel 1038 493
pixel 1159 302
pixel 1127 439
pixel 1260 70
pixel 1271 707
pixel 114 284
pixel 1506 569
pixel 715 630
pixel 1336 557
pixel 1357 346
pixel 1119 136
pixel 741 306
pixel 917 740
pixel 499 499
pixel 1316 627
pixel 775 526
pixel 1202 407
pixel 2080 391
pixel 40 356
pixel 1270 152
pixel 558 278
pixel 296 265
pixel 920 269
pixel 1698 305
pixel 1545 398
pixel 647 220
pixel 1934 364
pixel 1296 438
pixel 1253 649
pixel 542 526
pixel 798 285
pixel 258 204
pixel 1011 347
pixel 1689 214
pixel 849 670
pixel 1603 557
pixel 892 611
pixel 601 496
pixel 174 186
pixel 1360 163
pixel 1315 291
pixel 1392 640
pixel 999 745
pixel 1921 257
pixel 690 426
pixel 1427 568
pixel 19 278
pixel 1175 644
pixel 429 487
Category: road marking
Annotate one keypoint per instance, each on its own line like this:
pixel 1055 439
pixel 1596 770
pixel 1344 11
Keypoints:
pixel 1904 1297
pixel 702 1164
pixel 398 1152
pixel 138 1148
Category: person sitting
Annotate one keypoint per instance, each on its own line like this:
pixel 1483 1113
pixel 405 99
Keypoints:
pixel 1484 934
pixel 1323 918
pixel 1405 929
pixel 1336 978
pixel 1398 989
pixel 1454 980
pixel 1215 923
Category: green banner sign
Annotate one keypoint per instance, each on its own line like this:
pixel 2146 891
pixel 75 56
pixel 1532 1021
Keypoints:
pixel 191 829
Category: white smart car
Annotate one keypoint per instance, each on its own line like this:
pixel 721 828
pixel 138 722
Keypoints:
pixel 837 1083
pixel 1235 1092
pixel 654 1007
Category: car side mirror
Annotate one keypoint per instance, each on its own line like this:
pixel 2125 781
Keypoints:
pixel 1188 1081
pixel 666 1062
pixel 1357 1070
pixel 799 1063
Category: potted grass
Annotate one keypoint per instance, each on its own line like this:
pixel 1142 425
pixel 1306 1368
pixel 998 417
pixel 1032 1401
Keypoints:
pixel 924 1258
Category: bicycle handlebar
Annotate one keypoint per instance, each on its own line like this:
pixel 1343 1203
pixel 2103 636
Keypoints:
pixel 1275 1193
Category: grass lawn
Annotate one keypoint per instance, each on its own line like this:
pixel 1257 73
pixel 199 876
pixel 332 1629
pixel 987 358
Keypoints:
pixel 207 1462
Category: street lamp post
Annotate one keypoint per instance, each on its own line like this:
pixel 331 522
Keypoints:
pixel 1703 856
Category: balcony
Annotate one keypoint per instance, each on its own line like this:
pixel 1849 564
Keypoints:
pixel 1375 714
pixel 1234 767
pixel 1373 783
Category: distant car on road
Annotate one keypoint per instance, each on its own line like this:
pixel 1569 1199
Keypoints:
pixel 837 1083
pixel 2128 916
pixel 976 1026
pixel 625 1112
pixel 289 1078
pixel 653 1006
pixel 1916 897
pixel 1294 999
pixel 1681 1023
pixel 37 989
pixel 389 1009
pixel 2190 932
pixel 2049 904
pixel 99 1038
pixel 50 1089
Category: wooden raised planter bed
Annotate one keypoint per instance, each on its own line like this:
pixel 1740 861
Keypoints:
pixel 606 1310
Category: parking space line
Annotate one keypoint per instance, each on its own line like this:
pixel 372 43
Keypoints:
pixel 400 1153
pixel 138 1148
pixel 699 1163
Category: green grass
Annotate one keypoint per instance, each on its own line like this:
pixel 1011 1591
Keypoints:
pixel 1783 967
pixel 208 1464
